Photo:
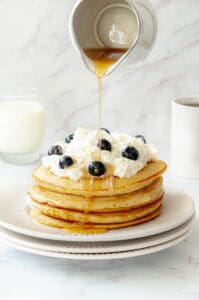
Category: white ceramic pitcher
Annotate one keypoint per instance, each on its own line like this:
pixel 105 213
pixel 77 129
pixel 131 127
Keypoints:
pixel 130 24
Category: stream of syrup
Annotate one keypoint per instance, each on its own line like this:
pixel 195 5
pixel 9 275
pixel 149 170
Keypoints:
pixel 103 59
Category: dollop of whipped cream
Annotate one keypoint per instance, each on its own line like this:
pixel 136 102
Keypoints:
pixel 83 149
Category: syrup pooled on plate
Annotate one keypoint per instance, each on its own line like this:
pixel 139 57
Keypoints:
pixel 84 230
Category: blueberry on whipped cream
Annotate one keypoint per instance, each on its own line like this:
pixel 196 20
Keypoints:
pixel 128 154
pixel 69 138
pixel 96 168
pixel 139 136
pixel 131 153
pixel 65 162
pixel 103 144
pixel 55 150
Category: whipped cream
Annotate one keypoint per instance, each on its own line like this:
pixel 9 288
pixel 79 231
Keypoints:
pixel 83 149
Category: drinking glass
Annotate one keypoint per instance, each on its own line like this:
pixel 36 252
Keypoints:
pixel 21 128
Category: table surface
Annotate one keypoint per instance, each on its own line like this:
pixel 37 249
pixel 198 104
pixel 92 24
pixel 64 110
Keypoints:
pixel 169 274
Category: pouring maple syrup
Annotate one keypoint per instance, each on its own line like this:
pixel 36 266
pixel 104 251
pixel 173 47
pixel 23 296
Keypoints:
pixel 103 59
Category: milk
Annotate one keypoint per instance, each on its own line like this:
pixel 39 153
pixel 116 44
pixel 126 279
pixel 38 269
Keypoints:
pixel 21 127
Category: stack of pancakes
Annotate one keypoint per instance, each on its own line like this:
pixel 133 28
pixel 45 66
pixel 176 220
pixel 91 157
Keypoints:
pixel 93 205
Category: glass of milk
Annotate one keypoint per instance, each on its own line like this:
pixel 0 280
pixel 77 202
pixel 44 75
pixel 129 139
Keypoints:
pixel 21 129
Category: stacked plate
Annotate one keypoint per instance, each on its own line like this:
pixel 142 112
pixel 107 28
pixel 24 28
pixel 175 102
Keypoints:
pixel 19 231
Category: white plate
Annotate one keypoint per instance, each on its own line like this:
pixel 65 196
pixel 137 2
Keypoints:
pixel 102 256
pixel 94 247
pixel 178 207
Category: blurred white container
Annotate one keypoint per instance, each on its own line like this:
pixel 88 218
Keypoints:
pixel 185 137
pixel 128 24
pixel 21 129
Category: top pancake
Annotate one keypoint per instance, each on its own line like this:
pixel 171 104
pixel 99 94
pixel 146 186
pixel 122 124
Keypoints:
pixel 106 186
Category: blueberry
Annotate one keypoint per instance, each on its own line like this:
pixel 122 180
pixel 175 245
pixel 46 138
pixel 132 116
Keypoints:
pixel 65 161
pixel 96 168
pixel 57 150
pixel 139 136
pixel 104 129
pixel 104 145
pixel 69 138
pixel 131 153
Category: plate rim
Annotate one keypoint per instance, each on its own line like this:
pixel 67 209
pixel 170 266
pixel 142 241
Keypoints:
pixel 103 256
pixel 86 248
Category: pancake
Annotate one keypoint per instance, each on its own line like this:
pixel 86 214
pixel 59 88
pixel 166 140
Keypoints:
pixel 38 217
pixel 100 186
pixel 119 202
pixel 99 218
pixel 90 183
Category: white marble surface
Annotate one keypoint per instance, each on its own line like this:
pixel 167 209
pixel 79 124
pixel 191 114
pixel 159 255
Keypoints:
pixel 35 52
